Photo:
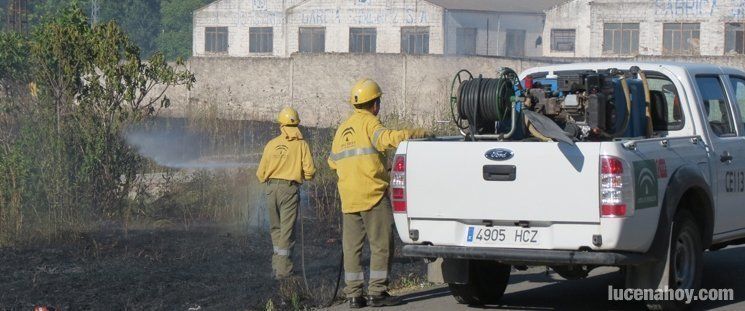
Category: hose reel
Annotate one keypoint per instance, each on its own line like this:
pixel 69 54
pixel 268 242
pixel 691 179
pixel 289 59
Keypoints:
pixel 479 106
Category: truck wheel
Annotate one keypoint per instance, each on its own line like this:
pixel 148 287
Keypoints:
pixel 487 281
pixel 686 260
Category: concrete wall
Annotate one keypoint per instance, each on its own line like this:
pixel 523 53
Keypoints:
pixel 318 85
pixel 337 16
pixel 588 18
pixel 491 28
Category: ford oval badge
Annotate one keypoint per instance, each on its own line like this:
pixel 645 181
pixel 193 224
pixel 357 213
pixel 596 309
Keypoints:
pixel 499 154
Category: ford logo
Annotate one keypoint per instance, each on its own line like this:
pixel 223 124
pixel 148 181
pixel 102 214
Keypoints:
pixel 499 154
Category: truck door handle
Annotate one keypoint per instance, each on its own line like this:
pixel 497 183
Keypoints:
pixel 726 157
pixel 500 172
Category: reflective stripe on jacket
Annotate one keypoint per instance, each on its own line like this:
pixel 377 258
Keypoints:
pixel 357 156
pixel 286 157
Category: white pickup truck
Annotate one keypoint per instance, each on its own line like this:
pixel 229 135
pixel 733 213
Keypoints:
pixel 659 179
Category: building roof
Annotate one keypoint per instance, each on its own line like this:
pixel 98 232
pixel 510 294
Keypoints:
pixel 510 6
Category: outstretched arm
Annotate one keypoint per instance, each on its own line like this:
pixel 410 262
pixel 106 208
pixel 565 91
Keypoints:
pixel 383 138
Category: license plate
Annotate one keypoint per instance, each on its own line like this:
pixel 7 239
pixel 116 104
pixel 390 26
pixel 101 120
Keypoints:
pixel 482 235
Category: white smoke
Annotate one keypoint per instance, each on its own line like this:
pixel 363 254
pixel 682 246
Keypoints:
pixel 171 143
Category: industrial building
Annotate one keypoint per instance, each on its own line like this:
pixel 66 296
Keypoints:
pixel 278 28
pixel 625 28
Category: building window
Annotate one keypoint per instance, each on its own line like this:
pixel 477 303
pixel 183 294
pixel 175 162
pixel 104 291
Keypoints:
pixel 362 40
pixel 415 40
pixel 621 38
pixel 261 39
pixel 562 40
pixel 465 39
pixel 216 39
pixel 681 39
pixel 515 43
pixel 734 38
pixel 312 40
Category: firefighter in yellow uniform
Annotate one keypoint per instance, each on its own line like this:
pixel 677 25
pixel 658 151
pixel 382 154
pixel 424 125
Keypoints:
pixel 357 155
pixel 286 162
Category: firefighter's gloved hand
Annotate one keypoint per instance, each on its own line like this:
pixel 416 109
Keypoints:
pixel 421 133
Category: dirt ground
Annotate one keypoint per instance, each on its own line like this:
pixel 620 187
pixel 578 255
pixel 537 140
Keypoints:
pixel 208 266
pixel 204 268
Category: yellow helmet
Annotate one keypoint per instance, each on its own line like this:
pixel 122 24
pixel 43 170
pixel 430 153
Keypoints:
pixel 288 116
pixel 363 91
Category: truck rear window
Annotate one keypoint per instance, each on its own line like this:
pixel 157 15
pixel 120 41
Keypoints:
pixel 716 106
pixel 667 114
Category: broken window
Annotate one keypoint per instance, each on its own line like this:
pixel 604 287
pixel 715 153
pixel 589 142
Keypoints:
pixel 562 40
pixel 734 38
pixel 415 40
pixel 216 39
pixel 312 40
pixel 261 39
pixel 362 40
pixel 465 39
pixel 621 38
pixel 681 39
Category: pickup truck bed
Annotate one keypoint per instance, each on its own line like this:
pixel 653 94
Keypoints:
pixel 553 195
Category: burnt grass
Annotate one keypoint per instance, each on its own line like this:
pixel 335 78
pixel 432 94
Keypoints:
pixel 202 268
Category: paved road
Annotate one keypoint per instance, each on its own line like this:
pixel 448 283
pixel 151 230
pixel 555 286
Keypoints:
pixel 535 290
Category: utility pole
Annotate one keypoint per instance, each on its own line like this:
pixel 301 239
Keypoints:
pixel 95 7
pixel 17 18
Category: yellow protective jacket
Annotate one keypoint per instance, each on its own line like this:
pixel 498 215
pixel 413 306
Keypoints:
pixel 287 157
pixel 358 158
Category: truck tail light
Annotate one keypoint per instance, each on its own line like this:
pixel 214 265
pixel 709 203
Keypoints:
pixel 398 184
pixel 615 188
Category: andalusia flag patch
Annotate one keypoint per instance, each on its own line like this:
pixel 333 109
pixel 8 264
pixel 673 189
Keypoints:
pixel 645 184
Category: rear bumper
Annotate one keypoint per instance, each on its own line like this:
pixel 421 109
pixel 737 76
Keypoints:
pixel 529 256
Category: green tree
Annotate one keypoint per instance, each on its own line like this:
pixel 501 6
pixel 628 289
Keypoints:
pixel 164 25
pixel 13 62
pixel 140 19
pixel 175 38
pixel 62 155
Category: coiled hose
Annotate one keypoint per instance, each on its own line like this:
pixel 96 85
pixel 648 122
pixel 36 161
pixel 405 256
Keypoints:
pixel 483 101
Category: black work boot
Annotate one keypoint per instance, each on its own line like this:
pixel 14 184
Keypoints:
pixel 357 302
pixel 383 300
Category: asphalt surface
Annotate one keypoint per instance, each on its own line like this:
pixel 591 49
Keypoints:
pixel 534 289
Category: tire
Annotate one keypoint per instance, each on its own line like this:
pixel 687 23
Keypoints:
pixel 487 281
pixel 686 253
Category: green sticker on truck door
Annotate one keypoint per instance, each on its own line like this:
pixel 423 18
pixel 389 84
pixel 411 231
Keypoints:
pixel 645 184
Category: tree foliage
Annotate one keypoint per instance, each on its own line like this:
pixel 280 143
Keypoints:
pixel 140 19
pixel 175 38
pixel 62 155
pixel 13 62
pixel 163 25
